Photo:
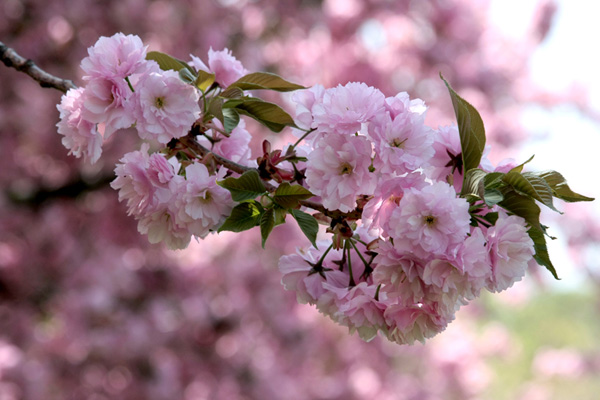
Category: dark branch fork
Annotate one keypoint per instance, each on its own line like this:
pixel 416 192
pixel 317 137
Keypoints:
pixel 12 59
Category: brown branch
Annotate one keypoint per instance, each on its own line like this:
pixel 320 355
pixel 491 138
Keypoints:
pixel 191 142
pixel 336 214
pixel 12 59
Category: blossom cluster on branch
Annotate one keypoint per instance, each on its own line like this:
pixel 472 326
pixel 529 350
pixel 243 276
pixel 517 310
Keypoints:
pixel 420 221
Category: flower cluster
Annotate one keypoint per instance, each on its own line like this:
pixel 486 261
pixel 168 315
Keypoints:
pixel 420 257
pixel 124 89
pixel 421 221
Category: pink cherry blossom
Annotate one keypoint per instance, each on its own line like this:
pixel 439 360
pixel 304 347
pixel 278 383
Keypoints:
pixel 402 104
pixel 204 204
pixel 166 106
pixel 338 171
pixel 467 273
pixel 510 249
pixel 143 181
pixel 344 109
pixel 305 101
pixel 401 139
pixel 161 227
pixel 300 276
pixel 399 274
pixel 223 64
pixel 107 102
pixel 417 322
pixel 431 219
pixel 81 136
pixel 115 58
pixel 357 308
pixel 446 145
pixel 474 259
pixel 387 196
pixel 235 146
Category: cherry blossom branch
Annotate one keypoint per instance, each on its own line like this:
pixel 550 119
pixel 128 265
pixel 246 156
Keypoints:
pixel 190 142
pixel 12 59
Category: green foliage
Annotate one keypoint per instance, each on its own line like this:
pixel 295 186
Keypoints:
pixel 166 62
pixel 519 168
pixel 187 76
pixel 246 187
pixel 270 115
pixel 541 249
pixel 265 80
pixel 231 119
pixel 308 224
pixel 473 183
pixel 515 191
pixel 204 80
pixel 470 128
pixel 532 186
pixel 232 93
pixel 267 222
pixel 244 216
pixel 288 196
pixel 559 187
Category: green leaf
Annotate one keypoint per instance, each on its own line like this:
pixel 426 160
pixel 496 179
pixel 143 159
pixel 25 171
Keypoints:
pixel 473 182
pixel 166 62
pixel 187 76
pixel 493 180
pixel 491 217
pixel 265 80
pixel 215 107
pixel 231 119
pixel 519 168
pixel 559 187
pixel 246 187
pixel 522 206
pixel 492 197
pixel 244 216
pixel 267 222
pixel 288 196
pixel 280 214
pixel 541 250
pixel 470 128
pixel 308 224
pixel 268 114
pixel 204 80
pixel 531 185
pixel 232 93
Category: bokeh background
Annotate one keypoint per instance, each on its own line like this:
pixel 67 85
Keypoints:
pixel 90 310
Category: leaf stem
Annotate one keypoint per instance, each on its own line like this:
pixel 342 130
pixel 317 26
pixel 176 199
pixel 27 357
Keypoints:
pixel 347 247
pixel 129 84
pixel 292 147
pixel 367 265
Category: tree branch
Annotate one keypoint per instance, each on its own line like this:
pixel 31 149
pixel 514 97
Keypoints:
pixel 191 142
pixel 12 59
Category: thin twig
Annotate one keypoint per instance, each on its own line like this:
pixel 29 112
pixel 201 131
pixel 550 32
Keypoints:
pixel 12 59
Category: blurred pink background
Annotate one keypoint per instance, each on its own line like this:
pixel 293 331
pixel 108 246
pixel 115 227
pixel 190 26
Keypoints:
pixel 90 310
